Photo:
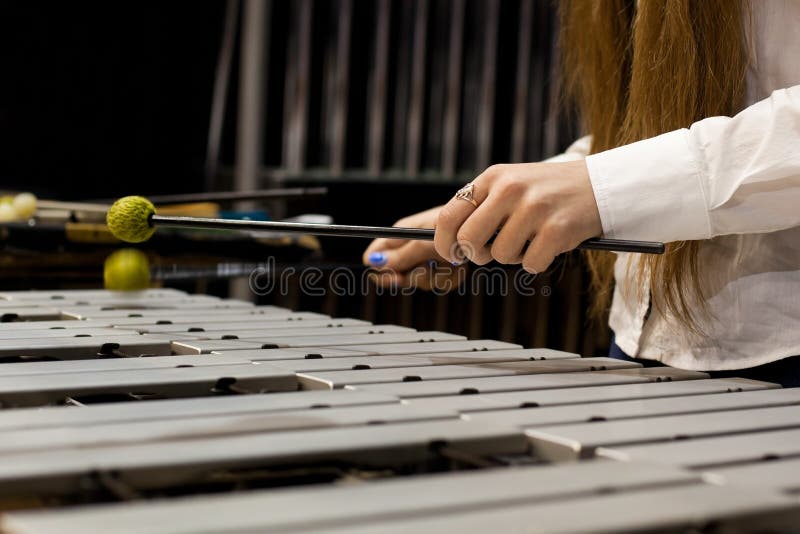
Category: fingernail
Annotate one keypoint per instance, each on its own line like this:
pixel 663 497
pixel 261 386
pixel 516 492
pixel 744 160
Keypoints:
pixel 377 258
pixel 432 264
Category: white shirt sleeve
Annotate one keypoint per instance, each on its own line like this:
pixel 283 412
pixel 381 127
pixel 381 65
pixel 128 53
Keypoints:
pixel 577 150
pixel 723 175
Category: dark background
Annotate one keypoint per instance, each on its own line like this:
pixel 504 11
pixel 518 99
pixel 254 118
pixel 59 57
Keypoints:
pixel 100 98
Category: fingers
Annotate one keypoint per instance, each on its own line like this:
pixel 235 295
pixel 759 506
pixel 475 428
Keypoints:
pixel 453 215
pixel 548 243
pixel 510 243
pixel 410 255
pixel 478 229
pixel 394 266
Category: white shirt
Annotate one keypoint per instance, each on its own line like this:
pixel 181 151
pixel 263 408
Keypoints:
pixel 733 182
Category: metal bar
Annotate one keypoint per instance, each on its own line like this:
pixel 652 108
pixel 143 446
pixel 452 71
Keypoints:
pixel 402 83
pixel 453 106
pixel 536 114
pixel 341 76
pixel 249 139
pixel 551 130
pixel 437 87
pixel 416 108
pixel 251 120
pixel 297 88
pixel 377 119
pixel 521 96
pixel 220 94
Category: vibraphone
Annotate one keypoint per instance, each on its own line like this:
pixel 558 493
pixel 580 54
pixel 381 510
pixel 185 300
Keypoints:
pixel 169 412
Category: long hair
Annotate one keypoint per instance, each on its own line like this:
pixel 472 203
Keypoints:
pixel 637 69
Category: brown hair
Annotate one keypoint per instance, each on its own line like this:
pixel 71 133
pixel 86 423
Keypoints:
pixel 637 69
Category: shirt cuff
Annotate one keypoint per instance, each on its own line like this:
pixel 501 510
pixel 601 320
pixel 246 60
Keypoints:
pixel 651 190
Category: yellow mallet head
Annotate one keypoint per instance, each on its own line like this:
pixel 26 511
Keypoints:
pixel 126 270
pixel 129 219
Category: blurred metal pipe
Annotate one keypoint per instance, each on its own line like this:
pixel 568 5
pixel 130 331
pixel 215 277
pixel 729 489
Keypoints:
pixel 250 123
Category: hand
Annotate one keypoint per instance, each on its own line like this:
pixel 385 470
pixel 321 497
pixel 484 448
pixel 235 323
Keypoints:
pixel 552 205
pixel 405 263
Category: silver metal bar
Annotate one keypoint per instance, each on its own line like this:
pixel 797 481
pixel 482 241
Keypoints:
pixel 35 390
pixel 265 335
pixel 703 453
pixel 438 347
pixel 135 322
pixel 201 347
pixel 475 386
pixel 547 399
pixel 766 476
pixel 66 348
pixel 92 313
pixel 709 405
pixel 213 327
pixel 183 461
pixel 322 506
pixel 65 294
pixel 159 410
pixel 269 355
pixel 582 440
pixel 692 507
pixel 213 426
pixel 340 379
pixel 118 364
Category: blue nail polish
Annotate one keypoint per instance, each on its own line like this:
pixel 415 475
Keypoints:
pixel 377 258
pixel 432 264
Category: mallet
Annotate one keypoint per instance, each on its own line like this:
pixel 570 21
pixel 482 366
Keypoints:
pixel 134 219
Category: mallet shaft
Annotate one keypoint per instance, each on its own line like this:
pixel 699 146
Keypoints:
pixel 343 230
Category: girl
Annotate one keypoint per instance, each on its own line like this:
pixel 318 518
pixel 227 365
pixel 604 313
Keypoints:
pixel 694 114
